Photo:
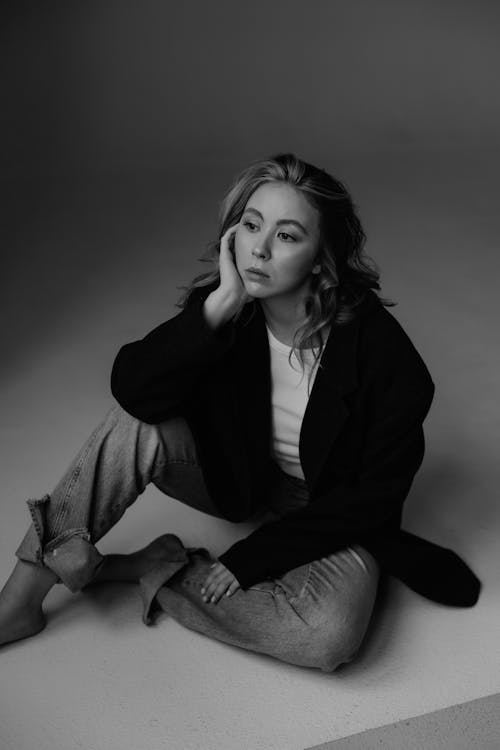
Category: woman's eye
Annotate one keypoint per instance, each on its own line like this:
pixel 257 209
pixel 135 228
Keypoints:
pixel 252 227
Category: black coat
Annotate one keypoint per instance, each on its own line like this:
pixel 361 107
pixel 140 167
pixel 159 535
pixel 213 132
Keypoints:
pixel 361 440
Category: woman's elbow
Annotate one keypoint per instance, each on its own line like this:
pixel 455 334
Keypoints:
pixel 125 388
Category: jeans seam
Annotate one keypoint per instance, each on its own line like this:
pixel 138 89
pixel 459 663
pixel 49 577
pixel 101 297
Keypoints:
pixel 292 605
pixel 290 600
pixel 305 585
pixel 78 469
pixel 62 538
pixel 312 573
pixel 39 529
pixel 263 591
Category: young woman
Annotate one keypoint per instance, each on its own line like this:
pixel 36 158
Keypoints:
pixel 284 391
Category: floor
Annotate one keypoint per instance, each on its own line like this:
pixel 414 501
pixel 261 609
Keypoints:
pixel 475 724
pixel 95 266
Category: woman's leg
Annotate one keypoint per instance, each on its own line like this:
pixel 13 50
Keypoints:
pixel 21 598
pixel 114 466
pixel 313 616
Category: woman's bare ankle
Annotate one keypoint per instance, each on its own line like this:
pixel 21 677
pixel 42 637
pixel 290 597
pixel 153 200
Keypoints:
pixel 21 598
pixel 21 622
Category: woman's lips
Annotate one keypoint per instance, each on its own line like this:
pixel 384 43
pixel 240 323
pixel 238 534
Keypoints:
pixel 256 275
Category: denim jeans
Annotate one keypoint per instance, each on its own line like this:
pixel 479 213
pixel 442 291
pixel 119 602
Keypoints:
pixel 315 615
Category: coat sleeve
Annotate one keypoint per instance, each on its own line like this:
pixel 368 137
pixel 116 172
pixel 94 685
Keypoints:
pixel 154 377
pixel 356 509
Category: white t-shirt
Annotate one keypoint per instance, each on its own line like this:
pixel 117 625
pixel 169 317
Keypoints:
pixel 289 397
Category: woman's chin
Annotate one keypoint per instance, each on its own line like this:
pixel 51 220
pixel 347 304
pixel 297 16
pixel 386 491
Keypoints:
pixel 256 292
pixel 256 288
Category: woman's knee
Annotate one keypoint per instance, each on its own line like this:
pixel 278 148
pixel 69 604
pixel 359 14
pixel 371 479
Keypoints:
pixel 329 650
pixel 178 441
pixel 126 427
pixel 117 414
pixel 324 647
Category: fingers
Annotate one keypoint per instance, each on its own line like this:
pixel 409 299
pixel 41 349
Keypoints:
pixel 219 582
pixel 232 588
pixel 226 237
pixel 230 279
pixel 227 234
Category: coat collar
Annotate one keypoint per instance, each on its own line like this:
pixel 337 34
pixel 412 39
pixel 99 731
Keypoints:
pixel 339 361
pixel 326 410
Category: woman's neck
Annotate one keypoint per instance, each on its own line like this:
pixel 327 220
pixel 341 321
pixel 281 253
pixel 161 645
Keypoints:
pixel 283 326
pixel 282 318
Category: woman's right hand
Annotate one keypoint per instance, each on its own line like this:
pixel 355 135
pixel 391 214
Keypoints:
pixel 231 283
pixel 230 296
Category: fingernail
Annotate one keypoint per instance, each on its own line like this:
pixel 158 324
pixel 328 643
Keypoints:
pixel 212 599
pixel 203 591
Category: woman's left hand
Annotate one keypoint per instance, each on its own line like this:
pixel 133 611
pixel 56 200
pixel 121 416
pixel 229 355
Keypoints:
pixel 219 581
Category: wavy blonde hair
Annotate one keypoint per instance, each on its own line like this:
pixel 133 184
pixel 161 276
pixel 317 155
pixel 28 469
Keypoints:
pixel 346 274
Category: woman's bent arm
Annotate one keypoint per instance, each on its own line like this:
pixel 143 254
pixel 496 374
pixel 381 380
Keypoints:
pixel 154 377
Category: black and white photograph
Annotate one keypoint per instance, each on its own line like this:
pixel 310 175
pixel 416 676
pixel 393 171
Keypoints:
pixel 249 390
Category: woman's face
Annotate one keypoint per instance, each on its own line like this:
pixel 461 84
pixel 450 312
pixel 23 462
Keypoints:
pixel 278 234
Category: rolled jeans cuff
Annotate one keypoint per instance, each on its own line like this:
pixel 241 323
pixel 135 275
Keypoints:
pixel 70 555
pixel 176 558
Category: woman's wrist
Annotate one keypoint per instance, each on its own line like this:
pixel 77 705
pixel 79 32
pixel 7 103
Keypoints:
pixel 220 307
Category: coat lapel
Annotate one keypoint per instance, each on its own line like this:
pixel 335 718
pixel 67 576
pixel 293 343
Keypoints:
pixel 252 390
pixel 326 410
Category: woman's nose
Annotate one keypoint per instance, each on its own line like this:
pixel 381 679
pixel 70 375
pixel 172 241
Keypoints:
pixel 261 250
